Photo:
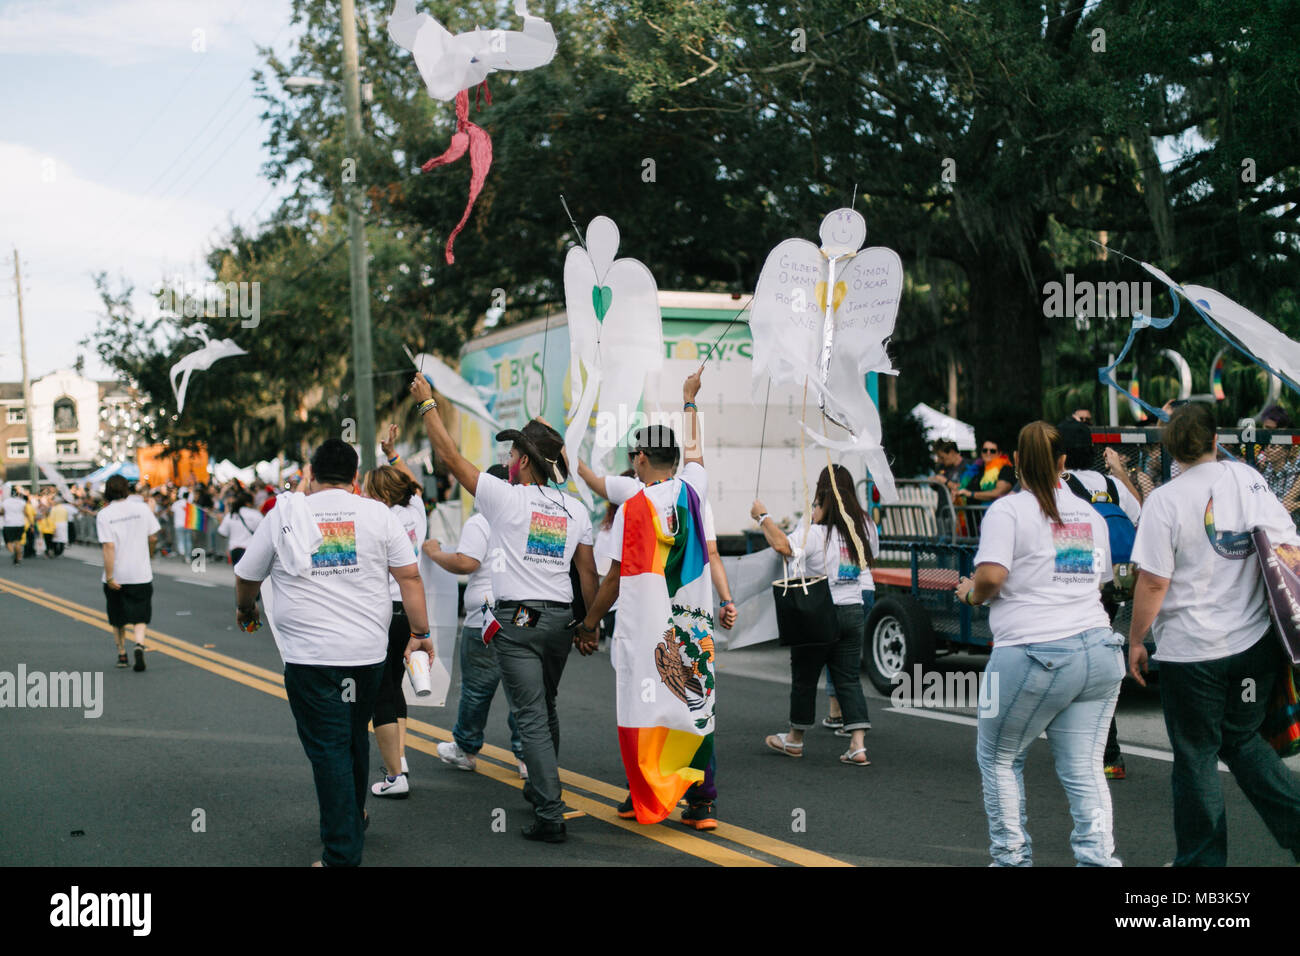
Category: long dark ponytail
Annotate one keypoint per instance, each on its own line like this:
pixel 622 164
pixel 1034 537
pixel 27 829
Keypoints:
pixel 852 515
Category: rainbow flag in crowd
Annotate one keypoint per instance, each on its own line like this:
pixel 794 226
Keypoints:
pixel 196 519
pixel 663 653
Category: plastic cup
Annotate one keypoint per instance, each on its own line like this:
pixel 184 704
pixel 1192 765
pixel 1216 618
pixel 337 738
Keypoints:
pixel 418 667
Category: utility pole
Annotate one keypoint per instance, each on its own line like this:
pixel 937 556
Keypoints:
pixel 360 281
pixel 27 382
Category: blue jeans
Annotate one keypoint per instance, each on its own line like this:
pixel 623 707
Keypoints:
pixel 1067 688
pixel 333 716
pixel 479 676
pixel 868 602
pixel 1207 718
pixel 183 542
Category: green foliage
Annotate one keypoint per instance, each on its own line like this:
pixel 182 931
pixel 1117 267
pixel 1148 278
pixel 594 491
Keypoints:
pixel 904 437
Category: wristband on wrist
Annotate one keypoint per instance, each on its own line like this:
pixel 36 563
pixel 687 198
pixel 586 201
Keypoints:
pixel 761 518
pixel 393 460
pixel 427 406
pixel 420 637
pixel 970 595
pixel 727 604
pixel 690 405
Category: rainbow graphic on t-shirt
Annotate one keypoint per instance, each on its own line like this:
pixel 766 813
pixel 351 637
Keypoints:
pixel 547 535
pixel 338 547
pixel 1074 548
pixel 849 572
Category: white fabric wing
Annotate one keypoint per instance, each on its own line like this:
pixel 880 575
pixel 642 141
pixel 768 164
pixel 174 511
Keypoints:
pixel 783 316
pixel 1261 339
pixel 450 63
pixel 615 338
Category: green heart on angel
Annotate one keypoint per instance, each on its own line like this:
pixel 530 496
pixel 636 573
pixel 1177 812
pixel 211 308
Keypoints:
pixel 601 297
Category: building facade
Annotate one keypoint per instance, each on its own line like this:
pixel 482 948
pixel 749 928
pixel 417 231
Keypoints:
pixel 75 423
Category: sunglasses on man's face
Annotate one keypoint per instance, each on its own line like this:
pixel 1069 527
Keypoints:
pixel 986 450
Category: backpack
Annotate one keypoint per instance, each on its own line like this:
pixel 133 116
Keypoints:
pixel 1120 528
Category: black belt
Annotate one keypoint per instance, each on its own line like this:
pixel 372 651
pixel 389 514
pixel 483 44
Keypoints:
pixel 542 604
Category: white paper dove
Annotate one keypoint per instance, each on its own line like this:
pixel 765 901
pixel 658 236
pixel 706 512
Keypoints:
pixel 447 381
pixel 615 337
pixel 198 361
pixel 824 316
pixel 451 62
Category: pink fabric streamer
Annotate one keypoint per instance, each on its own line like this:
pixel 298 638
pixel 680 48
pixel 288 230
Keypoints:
pixel 479 143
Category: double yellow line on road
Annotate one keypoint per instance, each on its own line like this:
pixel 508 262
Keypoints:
pixel 755 849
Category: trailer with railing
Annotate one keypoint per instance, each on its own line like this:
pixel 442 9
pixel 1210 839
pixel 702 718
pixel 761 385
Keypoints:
pixel 928 543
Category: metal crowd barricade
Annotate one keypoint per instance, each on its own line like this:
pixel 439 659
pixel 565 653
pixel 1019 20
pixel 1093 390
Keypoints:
pixel 926 511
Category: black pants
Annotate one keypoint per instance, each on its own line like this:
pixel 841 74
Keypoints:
pixel 843 659
pixel 390 702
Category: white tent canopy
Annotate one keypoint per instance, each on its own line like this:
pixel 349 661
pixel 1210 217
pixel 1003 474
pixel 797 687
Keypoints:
pixel 938 425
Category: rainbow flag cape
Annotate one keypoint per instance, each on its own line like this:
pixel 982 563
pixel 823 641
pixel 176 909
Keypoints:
pixel 663 653
pixel 196 519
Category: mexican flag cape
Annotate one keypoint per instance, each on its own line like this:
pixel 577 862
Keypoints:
pixel 663 653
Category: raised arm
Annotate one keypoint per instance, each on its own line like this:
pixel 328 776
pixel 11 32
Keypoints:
pixel 389 448
pixel 693 440
pixel 592 480
pixel 443 446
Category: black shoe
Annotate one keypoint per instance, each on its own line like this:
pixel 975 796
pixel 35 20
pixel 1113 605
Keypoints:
pixel 625 810
pixel 542 830
pixel 701 816
pixel 122 661
pixel 139 659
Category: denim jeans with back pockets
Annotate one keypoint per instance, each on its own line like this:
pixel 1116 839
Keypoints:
pixel 1067 688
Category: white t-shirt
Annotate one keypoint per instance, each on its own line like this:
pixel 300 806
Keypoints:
pixel 475 542
pixel 127 525
pixel 415 523
pixel 1216 605
pixel 240 532
pixel 1095 482
pixel 338 614
pixel 178 512
pixel 538 530
pixel 1054 570
pixel 15 510
pixel 826 552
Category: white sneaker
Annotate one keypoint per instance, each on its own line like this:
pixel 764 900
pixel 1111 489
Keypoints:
pixel 451 753
pixel 398 789
pixel 523 770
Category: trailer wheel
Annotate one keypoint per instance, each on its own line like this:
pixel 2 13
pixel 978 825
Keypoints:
pixel 898 638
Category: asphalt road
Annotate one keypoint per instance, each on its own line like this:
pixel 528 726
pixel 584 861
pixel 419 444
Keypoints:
pixel 196 762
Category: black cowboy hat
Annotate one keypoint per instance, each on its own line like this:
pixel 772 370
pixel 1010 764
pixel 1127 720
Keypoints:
pixel 535 440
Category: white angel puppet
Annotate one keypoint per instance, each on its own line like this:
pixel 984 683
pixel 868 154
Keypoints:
pixel 198 361
pixel 823 316
pixel 615 337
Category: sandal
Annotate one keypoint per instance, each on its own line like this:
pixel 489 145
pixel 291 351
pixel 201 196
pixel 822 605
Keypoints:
pixel 849 755
pixel 782 746
pixel 832 723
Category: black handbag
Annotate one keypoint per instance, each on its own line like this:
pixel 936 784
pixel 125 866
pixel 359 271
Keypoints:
pixel 805 613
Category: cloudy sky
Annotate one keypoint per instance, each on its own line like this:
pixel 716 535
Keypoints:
pixel 130 141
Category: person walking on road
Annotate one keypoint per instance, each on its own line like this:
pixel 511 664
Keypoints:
pixel 394 485
pixel 328 554
pixel 1056 665
pixel 1201 594
pixel 839 544
pixel 479 673
pixel 541 531
pixel 14 507
pixel 239 525
pixel 128 534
